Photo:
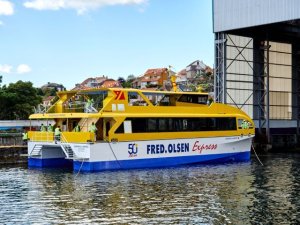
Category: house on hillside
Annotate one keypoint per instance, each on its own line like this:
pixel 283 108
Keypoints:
pixel 53 86
pixel 199 76
pixel 97 82
pixel 181 76
pixel 137 82
pixel 48 100
pixel 109 83
pixel 153 78
pixel 197 68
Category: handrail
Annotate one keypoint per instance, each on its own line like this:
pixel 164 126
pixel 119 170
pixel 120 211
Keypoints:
pixel 83 123
pixel 63 138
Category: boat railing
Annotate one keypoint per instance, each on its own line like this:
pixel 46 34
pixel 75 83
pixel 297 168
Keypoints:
pixel 41 136
pixel 80 106
pixel 41 108
pixel 66 137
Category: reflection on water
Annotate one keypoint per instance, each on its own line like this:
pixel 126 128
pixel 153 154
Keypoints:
pixel 245 193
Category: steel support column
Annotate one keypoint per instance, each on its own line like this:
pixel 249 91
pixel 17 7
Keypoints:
pixel 262 88
pixel 220 67
pixel 268 133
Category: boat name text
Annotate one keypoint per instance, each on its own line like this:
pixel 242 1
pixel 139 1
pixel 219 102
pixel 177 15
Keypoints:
pixel 170 148
pixel 200 147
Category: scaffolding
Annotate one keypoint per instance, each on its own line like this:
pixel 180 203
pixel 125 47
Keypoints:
pixel 256 75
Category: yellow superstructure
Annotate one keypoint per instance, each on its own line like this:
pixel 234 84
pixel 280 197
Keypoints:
pixel 118 113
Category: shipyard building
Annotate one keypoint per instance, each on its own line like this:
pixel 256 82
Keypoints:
pixel 257 64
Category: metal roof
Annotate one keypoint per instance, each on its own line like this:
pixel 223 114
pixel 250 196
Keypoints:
pixel 236 14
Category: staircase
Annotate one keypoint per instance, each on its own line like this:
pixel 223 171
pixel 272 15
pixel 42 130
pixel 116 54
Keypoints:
pixel 36 151
pixel 84 123
pixel 67 149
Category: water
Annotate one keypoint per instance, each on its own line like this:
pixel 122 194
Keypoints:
pixel 244 193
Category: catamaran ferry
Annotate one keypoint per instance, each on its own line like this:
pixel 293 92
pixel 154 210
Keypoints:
pixel 115 128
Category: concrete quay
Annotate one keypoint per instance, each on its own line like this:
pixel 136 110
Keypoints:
pixel 14 154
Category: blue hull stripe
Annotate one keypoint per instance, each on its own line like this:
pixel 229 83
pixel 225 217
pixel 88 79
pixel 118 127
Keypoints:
pixel 161 162
pixel 50 163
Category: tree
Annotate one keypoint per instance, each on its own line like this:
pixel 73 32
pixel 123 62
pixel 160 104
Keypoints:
pixel 126 83
pixel 121 80
pixel 18 100
pixel 131 78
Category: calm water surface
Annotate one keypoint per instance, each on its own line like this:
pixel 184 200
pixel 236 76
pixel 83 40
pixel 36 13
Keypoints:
pixel 244 193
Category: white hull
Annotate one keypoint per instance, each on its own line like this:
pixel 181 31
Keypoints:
pixel 142 154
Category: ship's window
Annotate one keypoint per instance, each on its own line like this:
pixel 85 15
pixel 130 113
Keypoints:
pixel 139 125
pixel 198 99
pixel 202 99
pixel 120 129
pixel 185 124
pixel 177 124
pixel 151 125
pixel 163 125
pixel 154 98
pixel 225 124
pixel 183 98
pixel 241 124
pixel 165 101
pixel 144 125
pixel 134 99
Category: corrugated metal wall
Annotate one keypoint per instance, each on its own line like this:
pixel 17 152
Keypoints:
pixel 235 14
pixel 280 64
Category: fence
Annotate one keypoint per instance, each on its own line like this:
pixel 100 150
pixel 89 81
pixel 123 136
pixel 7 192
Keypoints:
pixel 9 139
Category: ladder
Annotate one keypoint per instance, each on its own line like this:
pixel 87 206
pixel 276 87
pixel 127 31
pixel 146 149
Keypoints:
pixel 36 151
pixel 67 149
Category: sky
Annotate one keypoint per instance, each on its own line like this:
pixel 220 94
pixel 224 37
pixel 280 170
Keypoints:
pixel 67 41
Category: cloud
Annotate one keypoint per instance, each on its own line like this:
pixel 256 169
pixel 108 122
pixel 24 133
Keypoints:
pixel 6 8
pixel 1 23
pixel 5 68
pixel 81 6
pixel 23 68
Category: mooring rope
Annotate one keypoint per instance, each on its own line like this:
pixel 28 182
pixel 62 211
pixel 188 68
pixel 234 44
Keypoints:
pixel 114 154
pixel 256 155
pixel 79 168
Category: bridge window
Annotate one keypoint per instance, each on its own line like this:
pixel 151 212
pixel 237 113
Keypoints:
pixel 198 99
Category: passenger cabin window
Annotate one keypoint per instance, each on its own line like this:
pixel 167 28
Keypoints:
pixel 149 125
pixel 86 101
pixel 197 99
pixel 154 98
pixel 134 99
pixel 165 101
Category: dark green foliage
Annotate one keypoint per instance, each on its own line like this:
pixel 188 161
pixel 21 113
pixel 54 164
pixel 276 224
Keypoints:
pixel 121 80
pixel 128 82
pixel 17 101
pixel 49 92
